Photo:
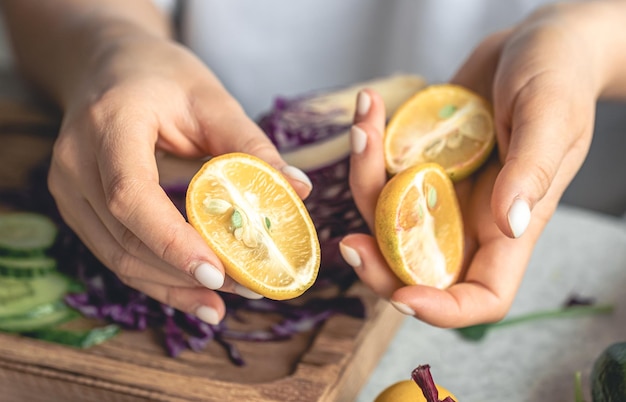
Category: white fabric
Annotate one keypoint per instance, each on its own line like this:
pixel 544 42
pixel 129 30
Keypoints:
pixel 261 49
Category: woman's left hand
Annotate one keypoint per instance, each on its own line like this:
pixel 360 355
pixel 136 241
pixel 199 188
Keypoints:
pixel 544 78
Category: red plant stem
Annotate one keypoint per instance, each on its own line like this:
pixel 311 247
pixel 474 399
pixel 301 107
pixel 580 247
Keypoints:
pixel 421 375
pixel 423 378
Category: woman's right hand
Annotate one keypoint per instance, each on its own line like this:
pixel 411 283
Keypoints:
pixel 144 95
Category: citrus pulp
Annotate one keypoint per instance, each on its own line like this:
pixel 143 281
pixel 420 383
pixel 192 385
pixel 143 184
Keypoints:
pixel 446 124
pixel 418 226
pixel 256 224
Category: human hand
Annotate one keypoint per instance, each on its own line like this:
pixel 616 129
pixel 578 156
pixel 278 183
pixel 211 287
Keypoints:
pixel 150 95
pixel 544 78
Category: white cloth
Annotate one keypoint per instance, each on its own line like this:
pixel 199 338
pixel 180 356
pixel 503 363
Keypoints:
pixel 261 49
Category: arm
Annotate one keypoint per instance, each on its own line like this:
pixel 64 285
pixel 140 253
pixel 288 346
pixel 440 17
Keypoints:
pixel 128 91
pixel 57 44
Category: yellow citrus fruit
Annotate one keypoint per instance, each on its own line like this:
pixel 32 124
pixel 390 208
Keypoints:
pixel 408 391
pixel 257 225
pixel 419 228
pixel 446 124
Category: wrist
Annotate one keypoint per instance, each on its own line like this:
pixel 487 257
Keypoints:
pixel 56 44
pixel 96 60
pixel 605 33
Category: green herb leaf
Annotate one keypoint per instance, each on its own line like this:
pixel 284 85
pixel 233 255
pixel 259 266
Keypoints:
pixel 268 224
pixel 578 388
pixel 477 332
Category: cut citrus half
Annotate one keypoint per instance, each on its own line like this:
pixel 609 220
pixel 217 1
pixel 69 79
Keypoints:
pixel 256 224
pixel 419 228
pixel 446 124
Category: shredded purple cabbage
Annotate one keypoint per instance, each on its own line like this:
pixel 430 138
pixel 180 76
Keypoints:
pixel 289 124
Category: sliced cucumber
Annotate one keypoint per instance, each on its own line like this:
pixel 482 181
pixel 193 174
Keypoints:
pixel 26 267
pixel 57 314
pixel 26 233
pixel 79 339
pixel 19 296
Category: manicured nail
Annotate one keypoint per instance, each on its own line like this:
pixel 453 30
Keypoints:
pixel 350 255
pixel 247 293
pixel 363 103
pixel 519 217
pixel 403 308
pixel 208 315
pixel 298 175
pixel 358 140
pixel 209 276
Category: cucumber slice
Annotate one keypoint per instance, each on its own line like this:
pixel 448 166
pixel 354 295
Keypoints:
pixel 39 311
pixel 19 296
pixel 79 339
pixel 26 233
pixel 56 314
pixel 26 267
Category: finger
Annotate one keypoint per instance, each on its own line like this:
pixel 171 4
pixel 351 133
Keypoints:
pixel 99 240
pixel 361 252
pixel 233 131
pixel 127 267
pixel 203 303
pixel 367 161
pixel 534 133
pixel 485 295
pixel 547 123
pixel 230 286
pixel 131 259
pixel 134 197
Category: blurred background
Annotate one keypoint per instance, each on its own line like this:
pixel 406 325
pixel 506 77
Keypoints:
pixel 599 185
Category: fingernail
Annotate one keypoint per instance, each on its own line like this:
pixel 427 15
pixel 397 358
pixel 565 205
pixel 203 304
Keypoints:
pixel 358 140
pixel 519 217
pixel 297 174
pixel 363 103
pixel 403 308
pixel 209 276
pixel 350 255
pixel 208 315
pixel 247 293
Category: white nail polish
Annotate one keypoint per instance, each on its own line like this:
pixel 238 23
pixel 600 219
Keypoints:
pixel 363 103
pixel 358 140
pixel 297 174
pixel 209 276
pixel 350 255
pixel 208 315
pixel 519 217
pixel 247 293
pixel 403 308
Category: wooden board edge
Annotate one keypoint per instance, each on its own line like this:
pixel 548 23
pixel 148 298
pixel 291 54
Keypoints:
pixel 373 342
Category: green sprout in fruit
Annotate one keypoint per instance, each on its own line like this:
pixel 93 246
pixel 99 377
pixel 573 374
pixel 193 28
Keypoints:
pixel 236 220
pixel 447 111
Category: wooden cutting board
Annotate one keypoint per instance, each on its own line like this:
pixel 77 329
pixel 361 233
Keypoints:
pixel 329 364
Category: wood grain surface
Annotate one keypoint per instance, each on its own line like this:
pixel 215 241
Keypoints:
pixel 329 364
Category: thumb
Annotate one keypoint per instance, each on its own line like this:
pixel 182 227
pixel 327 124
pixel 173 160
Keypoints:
pixel 542 132
pixel 233 131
